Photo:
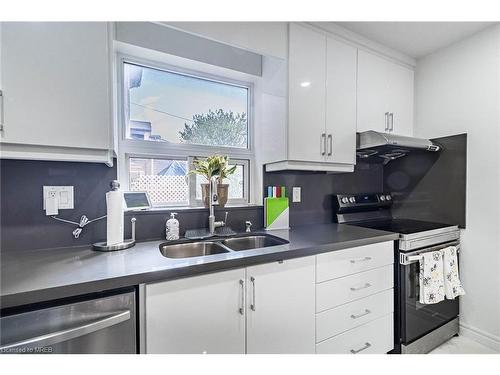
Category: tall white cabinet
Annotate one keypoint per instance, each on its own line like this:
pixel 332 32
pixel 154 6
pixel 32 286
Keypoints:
pixel 306 95
pixel 56 91
pixel 385 95
pixel 341 102
pixel 321 103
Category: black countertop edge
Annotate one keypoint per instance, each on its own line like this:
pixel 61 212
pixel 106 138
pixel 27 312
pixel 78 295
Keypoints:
pixel 59 292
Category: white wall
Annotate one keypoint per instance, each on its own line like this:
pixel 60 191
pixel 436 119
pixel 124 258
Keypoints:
pixel 458 91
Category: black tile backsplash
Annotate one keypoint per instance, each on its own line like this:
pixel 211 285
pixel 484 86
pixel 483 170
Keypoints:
pixel 431 186
pixel 24 225
pixel 317 189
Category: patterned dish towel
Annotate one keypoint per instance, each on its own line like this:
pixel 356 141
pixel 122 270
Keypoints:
pixel 431 278
pixel 452 285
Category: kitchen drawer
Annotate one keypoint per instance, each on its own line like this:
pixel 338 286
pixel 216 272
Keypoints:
pixel 375 337
pixel 346 262
pixel 336 292
pixel 343 318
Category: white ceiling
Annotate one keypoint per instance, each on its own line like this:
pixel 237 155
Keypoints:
pixel 415 39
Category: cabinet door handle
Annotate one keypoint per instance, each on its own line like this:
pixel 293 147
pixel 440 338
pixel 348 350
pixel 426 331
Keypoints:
pixel 367 345
pixel 391 121
pixel 330 141
pixel 365 259
pixel 367 285
pixel 1 111
pixel 386 121
pixel 322 144
pixel 242 305
pixel 253 305
pixel 360 315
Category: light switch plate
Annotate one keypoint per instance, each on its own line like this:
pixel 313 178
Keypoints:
pixel 64 194
pixel 296 194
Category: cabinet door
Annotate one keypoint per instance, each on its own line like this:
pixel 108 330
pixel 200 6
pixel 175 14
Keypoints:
pixel 280 307
pixel 307 90
pixel 401 99
pixel 373 92
pixel 55 82
pixel 197 314
pixel 341 102
pixel 384 87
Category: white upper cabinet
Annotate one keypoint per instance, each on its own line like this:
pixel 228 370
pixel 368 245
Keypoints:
pixel 307 94
pixel 385 95
pixel 56 91
pixel 322 103
pixel 341 102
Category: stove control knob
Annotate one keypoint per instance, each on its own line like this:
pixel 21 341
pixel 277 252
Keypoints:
pixel 345 200
pixel 382 198
pixel 388 197
pixel 352 200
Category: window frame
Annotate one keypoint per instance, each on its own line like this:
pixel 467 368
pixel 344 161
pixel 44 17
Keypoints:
pixel 130 148
pixel 162 157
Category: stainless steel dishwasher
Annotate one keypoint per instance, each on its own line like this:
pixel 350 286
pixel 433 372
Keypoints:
pixel 105 324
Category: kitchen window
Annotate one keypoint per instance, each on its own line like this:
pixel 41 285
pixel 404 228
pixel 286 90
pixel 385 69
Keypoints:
pixel 169 116
pixel 166 106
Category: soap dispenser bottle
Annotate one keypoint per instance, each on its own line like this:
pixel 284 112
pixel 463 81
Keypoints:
pixel 172 227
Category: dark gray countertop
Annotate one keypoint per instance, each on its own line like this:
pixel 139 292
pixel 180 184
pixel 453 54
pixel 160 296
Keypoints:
pixel 43 275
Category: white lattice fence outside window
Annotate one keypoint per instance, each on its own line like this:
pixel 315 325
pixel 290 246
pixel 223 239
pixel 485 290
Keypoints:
pixel 162 189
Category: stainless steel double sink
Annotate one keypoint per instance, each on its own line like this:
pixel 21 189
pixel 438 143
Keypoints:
pixel 188 249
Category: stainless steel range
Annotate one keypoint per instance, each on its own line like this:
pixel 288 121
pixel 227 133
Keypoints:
pixel 418 328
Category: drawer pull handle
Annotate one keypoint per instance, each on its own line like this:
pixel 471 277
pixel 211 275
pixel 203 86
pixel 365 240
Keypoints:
pixel 367 345
pixel 360 260
pixel 367 285
pixel 360 315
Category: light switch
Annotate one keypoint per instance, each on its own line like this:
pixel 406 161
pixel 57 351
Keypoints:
pixel 296 194
pixel 63 198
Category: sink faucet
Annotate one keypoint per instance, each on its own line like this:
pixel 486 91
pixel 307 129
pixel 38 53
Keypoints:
pixel 212 197
pixel 248 225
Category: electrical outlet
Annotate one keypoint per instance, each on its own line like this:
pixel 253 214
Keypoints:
pixel 296 194
pixel 64 195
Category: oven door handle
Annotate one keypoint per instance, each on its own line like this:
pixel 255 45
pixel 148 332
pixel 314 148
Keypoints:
pixel 406 259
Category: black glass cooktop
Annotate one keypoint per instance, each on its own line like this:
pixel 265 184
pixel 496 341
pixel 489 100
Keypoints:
pixel 403 226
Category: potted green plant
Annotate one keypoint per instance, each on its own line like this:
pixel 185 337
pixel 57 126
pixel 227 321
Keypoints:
pixel 215 166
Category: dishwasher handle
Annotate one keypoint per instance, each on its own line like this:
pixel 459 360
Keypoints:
pixel 71 333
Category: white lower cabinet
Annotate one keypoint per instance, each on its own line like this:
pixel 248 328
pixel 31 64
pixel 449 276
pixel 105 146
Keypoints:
pixel 355 300
pixel 208 313
pixel 349 288
pixel 279 307
pixel 376 337
pixel 196 314
pixel 350 315
pixel 280 313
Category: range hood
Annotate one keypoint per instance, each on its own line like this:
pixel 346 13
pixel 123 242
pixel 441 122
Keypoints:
pixel 372 146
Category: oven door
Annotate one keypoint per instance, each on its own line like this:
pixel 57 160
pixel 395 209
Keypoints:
pixel 417 319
